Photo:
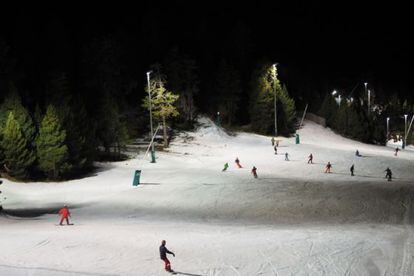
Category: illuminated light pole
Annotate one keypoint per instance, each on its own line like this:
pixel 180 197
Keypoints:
pixel 405 131
pixel 367 93
pixel 369 100
pixel 150 109
pixel 388 128
pixel 274 87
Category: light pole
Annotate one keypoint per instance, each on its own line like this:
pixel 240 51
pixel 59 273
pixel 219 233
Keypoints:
pixel 367 93
pixel 405 131
pixel 218 118
pixel 150 108
pixel 369 100
pixel 274 87
pixel 388 128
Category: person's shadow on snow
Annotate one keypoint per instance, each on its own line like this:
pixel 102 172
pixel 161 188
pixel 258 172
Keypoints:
pixel 188 274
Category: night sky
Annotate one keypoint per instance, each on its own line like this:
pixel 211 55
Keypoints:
pixel 319 47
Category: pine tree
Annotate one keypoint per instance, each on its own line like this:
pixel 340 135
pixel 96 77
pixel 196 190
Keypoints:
pixel 18 157
pixel 183 79
pixel 328 109
pixel 262 97
pixel 265 86
pixel 13 104
pixel 162 103
pixel 228 89
pixel 52 153
pixel 288 115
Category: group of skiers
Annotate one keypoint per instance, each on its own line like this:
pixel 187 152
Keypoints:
pixel 328 167
pixel 237 161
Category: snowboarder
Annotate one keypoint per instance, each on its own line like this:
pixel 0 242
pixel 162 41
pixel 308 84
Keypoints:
pixel 286 156
pixel 310 159
pixel 357 153
pixel 328 167
pixel 388 174
pixel 238 163
pixel 275 149
pixel 396 151
pixel 163 255
pixel 273 141
pixel 64 214
pixel 352 170
pixel 254 172
pixel 225 167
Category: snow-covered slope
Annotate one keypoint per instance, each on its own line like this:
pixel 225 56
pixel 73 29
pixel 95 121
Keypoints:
pixel 293 220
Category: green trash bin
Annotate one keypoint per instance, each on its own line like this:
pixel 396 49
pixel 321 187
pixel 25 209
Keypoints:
pixel 297 139
pixel 137 176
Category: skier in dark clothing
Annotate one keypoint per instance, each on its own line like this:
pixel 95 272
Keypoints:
pixel 163 255
pixel 275 149
pixel 286 156
pixel 352 170
pixel 357 153
pixel 273 141
pixel 238 163
pixel 388 174
pixel 328 167
pixel 226 166
pixel 310 160
pixel 254 172
pixel 396 151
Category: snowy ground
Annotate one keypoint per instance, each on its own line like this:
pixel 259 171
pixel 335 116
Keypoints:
pixel 293 220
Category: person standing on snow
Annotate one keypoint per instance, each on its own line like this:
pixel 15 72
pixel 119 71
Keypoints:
pixel 396 151
pixel 310 159
pixel 238 163
pixel 225 167
pixel 352 170
pixel 357 153
pixel 273 141
pixel 328 167
pixel 254 172
pixel 286 156
pixel 275 149
pixel 388 174
pixel 64 214
pixel 163 255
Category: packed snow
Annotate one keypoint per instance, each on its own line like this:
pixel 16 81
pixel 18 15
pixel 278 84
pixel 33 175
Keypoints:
pixel 294 219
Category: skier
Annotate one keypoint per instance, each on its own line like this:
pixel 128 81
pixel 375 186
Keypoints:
pixel 273 141
pixel 328 167
pixel 275 149
pixel 396 151
pixel 310 160
pixel 352 170
pixel 388 174
pixel 254 172
pixel 163 255
pixel 357 153
pixel 238 163
pixel 64 214
pixel 277 143
pixel 225 167
pixel 286 156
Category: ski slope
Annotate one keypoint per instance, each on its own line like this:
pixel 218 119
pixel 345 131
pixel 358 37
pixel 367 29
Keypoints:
pixel 293 220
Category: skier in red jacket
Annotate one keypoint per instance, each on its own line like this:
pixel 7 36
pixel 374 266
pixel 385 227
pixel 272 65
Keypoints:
pixel 64 214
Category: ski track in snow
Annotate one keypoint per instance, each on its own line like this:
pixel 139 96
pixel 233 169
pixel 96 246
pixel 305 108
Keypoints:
pixel 292 220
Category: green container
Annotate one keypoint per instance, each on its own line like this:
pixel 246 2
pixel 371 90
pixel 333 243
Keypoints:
pixel 137 176
pixel 297 139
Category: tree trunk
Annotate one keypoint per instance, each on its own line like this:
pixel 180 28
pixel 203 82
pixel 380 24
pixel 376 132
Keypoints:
pixel 164 126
